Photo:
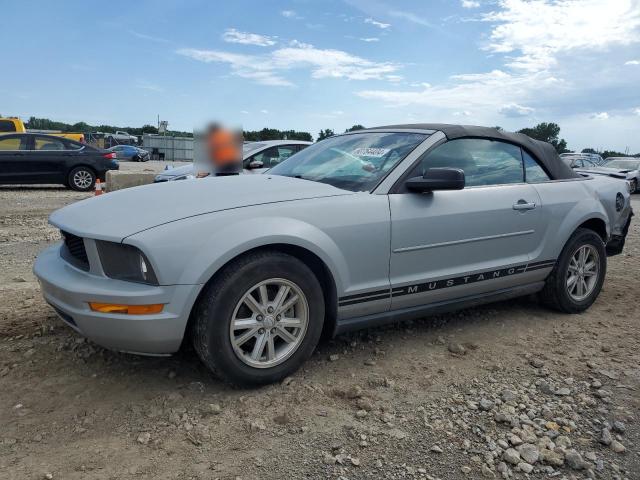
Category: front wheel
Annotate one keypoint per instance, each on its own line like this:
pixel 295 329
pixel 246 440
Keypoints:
pixel 577 278
pixel 259 319
pixel 81 179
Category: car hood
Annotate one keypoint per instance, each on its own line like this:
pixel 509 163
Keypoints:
pixel 116 215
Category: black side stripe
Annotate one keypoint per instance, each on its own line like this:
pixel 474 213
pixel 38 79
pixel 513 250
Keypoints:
pixel 366 294
pixel 443 283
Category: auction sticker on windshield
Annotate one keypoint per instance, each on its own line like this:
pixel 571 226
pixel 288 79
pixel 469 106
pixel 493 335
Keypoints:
pixel 370 152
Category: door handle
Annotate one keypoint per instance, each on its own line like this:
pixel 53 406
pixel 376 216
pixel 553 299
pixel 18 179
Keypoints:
pixel 524 205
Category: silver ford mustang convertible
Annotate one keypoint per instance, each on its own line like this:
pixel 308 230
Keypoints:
pixel 357 230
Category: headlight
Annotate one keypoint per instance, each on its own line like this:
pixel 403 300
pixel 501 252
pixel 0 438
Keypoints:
pixel 125 262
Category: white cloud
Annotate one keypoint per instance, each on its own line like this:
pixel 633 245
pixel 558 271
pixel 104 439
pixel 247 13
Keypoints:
pixel 232 35
pixel 538 30
pixel 264 111
pixel 375 23
pixel 323 63
pixel 297 44
pixel 370 39
pixel 470 3
pixel 244 112
pixel 328 63
pixel 411 17
pixel 463 113
pixel 632 62
pixel 637 111
pixel 546 47
pixel 245 66
pixel 289 14
pixel 394 78
pixel 481 91
pixel 599 116
pixel 515 110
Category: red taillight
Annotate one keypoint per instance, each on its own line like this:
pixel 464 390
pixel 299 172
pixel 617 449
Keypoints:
pixel 109 155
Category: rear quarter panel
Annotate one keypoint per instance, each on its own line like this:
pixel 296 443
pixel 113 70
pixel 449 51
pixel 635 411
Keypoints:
pixel 566 205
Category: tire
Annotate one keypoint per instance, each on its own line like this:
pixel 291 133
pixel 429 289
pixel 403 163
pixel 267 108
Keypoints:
pixel 81 179
pixel 558 292
pixel 136 158
pixel 634 186
pixel 222 304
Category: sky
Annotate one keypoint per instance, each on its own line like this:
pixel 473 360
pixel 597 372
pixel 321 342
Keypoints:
pixel 309 65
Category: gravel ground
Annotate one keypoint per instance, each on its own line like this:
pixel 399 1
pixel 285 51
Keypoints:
pixel 510 390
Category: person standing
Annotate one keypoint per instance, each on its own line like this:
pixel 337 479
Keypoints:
pixel 224 151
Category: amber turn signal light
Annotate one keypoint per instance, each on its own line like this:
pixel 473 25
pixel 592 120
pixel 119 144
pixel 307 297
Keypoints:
pixel 126 309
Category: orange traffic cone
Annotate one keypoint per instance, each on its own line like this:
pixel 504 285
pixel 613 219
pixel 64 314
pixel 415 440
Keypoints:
pixel 98 188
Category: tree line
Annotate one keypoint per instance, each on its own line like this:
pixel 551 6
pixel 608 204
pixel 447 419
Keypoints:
pixel 82 127
pixel 547 132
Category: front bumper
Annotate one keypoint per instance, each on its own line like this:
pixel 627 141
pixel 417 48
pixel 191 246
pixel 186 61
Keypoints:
pixel 68 290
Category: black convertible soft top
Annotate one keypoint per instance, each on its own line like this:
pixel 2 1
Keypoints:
pixel 544 152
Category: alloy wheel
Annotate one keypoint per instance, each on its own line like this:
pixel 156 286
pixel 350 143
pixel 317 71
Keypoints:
pixel 583 272
pixel 269 323
pixel 82 179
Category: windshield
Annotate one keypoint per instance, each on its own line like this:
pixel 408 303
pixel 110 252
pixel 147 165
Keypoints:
pixel 626 164
pixel 353 162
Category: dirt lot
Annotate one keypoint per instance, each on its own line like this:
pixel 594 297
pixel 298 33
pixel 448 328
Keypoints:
pixel 486 393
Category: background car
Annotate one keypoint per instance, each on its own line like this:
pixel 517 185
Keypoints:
pixel 31 158
pixel 257 158
pixel 581 160
pixel 628 166
pixel 130 152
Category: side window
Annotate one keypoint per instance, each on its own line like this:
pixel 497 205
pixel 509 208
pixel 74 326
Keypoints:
pixel 533 172
pixel 484 162
pixel 72 146
pixel 12 143
pixel 45 143
pixel 284 152
pixel 273 156
pixel 7 126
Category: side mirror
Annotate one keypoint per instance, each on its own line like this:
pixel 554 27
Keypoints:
pixel 255 164
pixel 437 179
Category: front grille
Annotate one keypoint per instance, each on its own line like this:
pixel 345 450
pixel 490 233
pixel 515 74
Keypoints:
pixel 74 251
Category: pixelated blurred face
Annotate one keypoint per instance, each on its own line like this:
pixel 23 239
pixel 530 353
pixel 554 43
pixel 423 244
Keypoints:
pixel 224 147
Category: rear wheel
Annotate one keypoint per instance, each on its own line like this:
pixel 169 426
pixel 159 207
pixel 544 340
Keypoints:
pixel 81 179
pixel 259 319
pixel 577 278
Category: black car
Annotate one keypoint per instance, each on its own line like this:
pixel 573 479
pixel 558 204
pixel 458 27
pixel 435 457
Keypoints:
pixel 38 159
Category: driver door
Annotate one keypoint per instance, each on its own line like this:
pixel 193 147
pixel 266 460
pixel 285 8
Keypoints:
pixel 452 244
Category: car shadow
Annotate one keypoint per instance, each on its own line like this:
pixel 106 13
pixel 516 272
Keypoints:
pixel 19 188
pixel 185 371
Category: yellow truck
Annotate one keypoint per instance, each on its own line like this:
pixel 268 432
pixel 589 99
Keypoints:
pixel 15 125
